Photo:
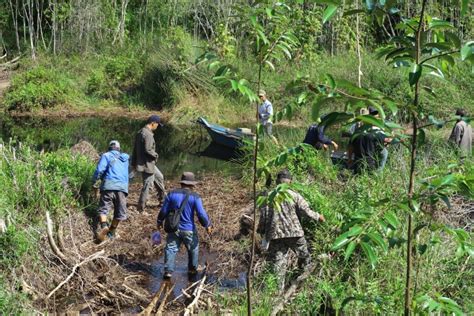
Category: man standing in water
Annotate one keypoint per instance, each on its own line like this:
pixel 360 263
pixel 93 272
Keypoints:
pixel 144 160
pixel 187 203
pixel 284 231
pixel 112 169
pixel 461 135
pixel 265 113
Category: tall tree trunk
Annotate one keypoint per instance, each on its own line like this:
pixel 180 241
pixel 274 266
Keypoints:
pixel 411 188
pixel 14 12
pixel 28 11
pixel 54 6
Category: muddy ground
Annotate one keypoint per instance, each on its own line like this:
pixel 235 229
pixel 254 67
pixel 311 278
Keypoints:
pixel 124 277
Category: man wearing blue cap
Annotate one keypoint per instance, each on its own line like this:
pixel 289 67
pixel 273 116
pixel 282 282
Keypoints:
pixel 144 160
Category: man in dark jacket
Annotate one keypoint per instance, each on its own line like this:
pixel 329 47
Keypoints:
pixel 282 228
pixel 186 232
pixel 144 160
pixel 112 170
pixel 315 137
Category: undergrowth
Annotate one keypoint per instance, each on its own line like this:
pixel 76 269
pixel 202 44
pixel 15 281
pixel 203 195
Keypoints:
pixel 443 272
pixel 33 183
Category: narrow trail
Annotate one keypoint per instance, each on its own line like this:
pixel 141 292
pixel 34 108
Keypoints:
pixel 126 277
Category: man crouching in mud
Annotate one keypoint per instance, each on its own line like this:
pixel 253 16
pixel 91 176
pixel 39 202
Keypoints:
pixel 112 169
pixel 284 231
pixel 177 216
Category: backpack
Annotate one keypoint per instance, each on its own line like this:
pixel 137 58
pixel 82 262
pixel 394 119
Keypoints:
pixel 174 216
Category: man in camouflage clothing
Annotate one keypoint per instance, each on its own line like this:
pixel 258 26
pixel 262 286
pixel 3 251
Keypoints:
pixel 284 231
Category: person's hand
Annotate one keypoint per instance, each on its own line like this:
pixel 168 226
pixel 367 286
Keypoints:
pixel 159 226
pixel 96 193
pixel 209 230
pixel 335 145
pixel 325 147
pixel 322 218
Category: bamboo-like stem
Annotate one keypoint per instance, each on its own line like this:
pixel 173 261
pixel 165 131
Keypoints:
pixel 255 180
pixel 411 188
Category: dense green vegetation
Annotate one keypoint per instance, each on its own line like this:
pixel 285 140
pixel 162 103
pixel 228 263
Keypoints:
pixel 32 183
pixel 388 234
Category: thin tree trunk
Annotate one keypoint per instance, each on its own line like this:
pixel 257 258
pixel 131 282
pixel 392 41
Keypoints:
pixel 411 188
pixel 31 28
pixel 15 23
pixel 255 180
pixel 359 57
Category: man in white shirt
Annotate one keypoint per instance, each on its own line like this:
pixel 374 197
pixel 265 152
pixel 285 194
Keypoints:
pixel 265 113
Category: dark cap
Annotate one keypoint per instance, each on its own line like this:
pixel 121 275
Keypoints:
pixel 188 178
pixel 461 112
pixel 154 119
pixel 284 174
pixel 373 110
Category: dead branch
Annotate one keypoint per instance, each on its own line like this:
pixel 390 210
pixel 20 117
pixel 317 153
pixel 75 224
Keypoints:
pixel 190 308
pixel 52 242
pixel 286 297
pixel 186 291
pixel 147 311
pixel 163 302
pixel 88 259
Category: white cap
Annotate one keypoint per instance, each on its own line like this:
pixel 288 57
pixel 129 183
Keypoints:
pixel 114 144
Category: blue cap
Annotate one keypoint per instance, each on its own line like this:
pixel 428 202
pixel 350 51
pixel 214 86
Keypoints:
pixel 154 119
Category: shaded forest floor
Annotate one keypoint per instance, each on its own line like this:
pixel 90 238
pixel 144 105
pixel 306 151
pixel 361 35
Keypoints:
pixel 126 271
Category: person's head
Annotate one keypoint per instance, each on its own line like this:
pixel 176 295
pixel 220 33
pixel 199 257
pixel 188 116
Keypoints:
pixel 188 180
pixel 373 111
pixel 262 95
pixel 114 145
pixel 461 112
pixel 284 176
pixel 153 122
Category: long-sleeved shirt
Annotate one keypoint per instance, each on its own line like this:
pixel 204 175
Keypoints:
pixel 461 135
pixel 144 155
pixel 315 136
pixel 286 222
pixel 174 199
pixel 112 169
pixel 265 112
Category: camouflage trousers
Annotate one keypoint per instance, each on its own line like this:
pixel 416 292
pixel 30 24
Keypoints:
pixel 278 252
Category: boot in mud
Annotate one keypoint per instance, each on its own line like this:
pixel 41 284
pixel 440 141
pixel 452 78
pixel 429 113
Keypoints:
pixel 102 232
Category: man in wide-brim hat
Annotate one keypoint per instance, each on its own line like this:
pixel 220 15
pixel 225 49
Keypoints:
pixel 186 231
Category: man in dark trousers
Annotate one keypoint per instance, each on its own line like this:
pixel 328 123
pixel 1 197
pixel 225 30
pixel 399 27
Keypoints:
pixel 282 228
pixel 112 170
pixel 316 137
pixel 461 135
pixel 186 231
pixel 144 160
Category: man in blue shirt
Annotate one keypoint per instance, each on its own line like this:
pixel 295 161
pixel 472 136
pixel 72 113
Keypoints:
pixel 316 137
pixel 186 232
pixel 112 170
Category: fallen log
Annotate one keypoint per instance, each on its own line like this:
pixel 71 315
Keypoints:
pixel 147 311
pixel 190 308
pixel 88 259
pixel 285 298
pixel 52 242
pixel 163 302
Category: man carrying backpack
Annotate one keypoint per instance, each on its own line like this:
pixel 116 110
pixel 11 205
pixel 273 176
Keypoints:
pixel 112 170
pixel 177 218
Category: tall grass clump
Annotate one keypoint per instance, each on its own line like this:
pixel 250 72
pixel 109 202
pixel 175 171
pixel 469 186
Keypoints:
pixel 33 183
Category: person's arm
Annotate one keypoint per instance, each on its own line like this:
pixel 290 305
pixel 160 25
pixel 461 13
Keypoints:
pixel 303 209
pixel 133 159
pixel 458 133
pixel 101 167
pixel 201 213
pixel 165 209
pixel 150 146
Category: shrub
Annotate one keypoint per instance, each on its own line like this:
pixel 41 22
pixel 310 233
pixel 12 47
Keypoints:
pixel 119 75
pixel 39 87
